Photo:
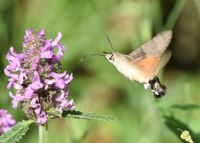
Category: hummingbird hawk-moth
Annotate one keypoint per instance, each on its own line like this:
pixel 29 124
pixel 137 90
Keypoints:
pixel 143 63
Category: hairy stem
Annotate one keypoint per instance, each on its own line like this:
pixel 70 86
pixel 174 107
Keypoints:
pixel 43 133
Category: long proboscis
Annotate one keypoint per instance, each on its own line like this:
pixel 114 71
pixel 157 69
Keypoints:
pixel 104 53
pixel 90 55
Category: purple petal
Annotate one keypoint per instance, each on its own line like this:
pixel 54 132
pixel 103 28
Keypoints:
pixel 11 83
pixel 56 41
pixel 62 96
pixel 47 50
pixel 9 73
pixel 42 118
pixel 48 54
pixel 34 102
pixel 58 75
pixel 41 33
pixel 6 121
pixel 35 63
pixel 36 84
pixel 15 101
pixel 28 94
pixel 68 78
pixel 20 56
pixel 59 54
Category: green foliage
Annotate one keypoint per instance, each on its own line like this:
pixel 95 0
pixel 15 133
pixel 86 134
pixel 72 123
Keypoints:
pixel 79 115
pixel 16 133
pixel 174 125
pixel 186 107
pixel 86 116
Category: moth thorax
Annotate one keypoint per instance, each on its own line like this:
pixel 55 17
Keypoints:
pixel 157 88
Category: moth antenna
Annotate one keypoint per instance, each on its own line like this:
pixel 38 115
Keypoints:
pixel 110 43
pixel 81 60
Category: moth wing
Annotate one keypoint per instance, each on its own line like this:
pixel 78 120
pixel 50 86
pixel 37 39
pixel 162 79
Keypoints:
pixel 151 65
pixel 154 47
pixel 164 59
pixel 148 67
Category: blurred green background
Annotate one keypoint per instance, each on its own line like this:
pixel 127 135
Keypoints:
pixel 97 86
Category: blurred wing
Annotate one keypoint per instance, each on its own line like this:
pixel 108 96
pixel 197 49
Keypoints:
pixel 150 66
pixel 163 60
pixel 154 47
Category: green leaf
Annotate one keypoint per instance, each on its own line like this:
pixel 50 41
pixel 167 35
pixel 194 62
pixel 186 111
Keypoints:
pixel 53 113
pixel 86 116
pixel 174 124
pixel 187 107
pixel 16 133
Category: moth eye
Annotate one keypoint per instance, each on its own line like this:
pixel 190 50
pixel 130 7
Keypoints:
pixel 111 58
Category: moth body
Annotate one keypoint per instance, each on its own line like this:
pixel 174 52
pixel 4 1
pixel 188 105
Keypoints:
pixel 126 66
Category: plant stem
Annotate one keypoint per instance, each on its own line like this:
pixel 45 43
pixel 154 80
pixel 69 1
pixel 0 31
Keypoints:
pixel 43 133
pixel 174 14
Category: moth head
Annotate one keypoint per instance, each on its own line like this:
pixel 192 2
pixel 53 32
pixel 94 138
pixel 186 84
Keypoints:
pixel 116 58
pixel 110 57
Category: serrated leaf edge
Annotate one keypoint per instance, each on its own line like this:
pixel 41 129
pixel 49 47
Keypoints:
pixel 26 127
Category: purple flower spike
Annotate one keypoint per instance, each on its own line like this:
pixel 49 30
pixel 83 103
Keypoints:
pixel 6 121
pixel 33 74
